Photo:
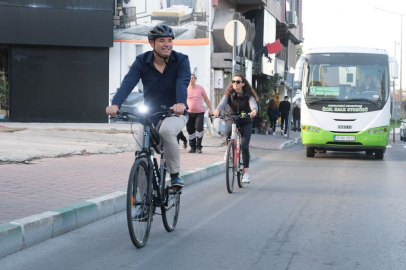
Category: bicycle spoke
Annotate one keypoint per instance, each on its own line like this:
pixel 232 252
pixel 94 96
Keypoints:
pixel 170 213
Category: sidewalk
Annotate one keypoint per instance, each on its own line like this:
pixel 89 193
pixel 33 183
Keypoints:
pixel 32 184
pixel 36 185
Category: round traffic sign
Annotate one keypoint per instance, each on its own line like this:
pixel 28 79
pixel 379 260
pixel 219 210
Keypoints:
pixel 229 32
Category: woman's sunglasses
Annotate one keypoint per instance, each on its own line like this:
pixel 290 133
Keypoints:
pixel 237 82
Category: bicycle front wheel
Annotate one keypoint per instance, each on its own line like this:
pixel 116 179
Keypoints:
pixel 139 209
pixel 230 168
pixel 240 169
pixel 170 212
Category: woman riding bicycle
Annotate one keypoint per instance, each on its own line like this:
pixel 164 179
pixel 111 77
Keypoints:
pixel 241 98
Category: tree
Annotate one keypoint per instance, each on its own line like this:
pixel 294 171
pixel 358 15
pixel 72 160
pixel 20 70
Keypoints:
pixel 299 51
pixel 4 92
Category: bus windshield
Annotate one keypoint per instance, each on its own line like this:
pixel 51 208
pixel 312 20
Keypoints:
pixel 347 76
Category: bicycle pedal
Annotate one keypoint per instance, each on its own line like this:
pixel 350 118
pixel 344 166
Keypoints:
pixel 176 188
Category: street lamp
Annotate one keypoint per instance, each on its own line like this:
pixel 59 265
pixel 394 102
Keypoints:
pixel 401 39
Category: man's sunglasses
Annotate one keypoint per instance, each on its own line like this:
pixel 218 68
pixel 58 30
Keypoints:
pixel 237 82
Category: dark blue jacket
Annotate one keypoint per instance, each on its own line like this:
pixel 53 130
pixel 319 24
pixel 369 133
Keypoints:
pixel 273 115
pixel 284 108
pixel 167 88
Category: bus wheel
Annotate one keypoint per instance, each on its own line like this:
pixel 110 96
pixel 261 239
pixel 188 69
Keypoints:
pixel 369 152
pixel 309 151
pixel 379 154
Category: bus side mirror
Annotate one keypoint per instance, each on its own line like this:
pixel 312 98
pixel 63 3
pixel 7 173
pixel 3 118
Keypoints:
pixel 394 69
pixel 299 69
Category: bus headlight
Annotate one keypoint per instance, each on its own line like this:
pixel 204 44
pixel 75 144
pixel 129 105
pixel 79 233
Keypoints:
pixel 313 129
pixel 308 128
pixel 370 131
pixel 380 130
pixel 318 130
pixel 375 131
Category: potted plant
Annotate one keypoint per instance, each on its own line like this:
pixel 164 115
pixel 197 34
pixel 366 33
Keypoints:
pixel 3 95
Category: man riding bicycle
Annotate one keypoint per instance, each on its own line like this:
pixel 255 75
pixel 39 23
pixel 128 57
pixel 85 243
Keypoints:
pixel 165 76
pixel 240 97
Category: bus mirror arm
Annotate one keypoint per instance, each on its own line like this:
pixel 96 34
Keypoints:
pixel 299 69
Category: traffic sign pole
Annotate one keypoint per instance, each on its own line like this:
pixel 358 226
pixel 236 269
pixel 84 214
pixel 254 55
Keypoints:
pixel 234 44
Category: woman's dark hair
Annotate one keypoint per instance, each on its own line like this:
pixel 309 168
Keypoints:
pixel 247 88
pixel 272 105
pixel 194 76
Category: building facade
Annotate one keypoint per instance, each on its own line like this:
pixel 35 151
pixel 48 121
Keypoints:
pixel 266 22
pixel 55 56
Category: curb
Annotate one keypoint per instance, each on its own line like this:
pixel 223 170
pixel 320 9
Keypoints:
pixel 26 232
pixel 290 143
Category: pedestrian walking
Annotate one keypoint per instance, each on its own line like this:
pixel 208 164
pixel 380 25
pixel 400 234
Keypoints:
pixel 182 138
pixel 296 117
pixel 284 108
pixel 273 115
pixel 194 127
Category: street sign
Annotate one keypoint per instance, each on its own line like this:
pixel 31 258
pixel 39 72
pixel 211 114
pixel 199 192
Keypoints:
pixel 235 34
pixel 229 33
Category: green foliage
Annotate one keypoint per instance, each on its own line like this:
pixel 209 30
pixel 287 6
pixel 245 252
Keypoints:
pixel 299 51
pixel 266 95
pixel 4 104
pixel 264 110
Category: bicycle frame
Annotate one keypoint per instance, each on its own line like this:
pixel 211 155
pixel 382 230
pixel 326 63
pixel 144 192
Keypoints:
pixel 158 185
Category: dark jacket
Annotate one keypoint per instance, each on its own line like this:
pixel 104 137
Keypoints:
pixel 273 115
pixel 296 113
pixel 284 108
pixel 167 88
pixel 239 104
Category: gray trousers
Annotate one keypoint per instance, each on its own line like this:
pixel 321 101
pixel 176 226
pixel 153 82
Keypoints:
pixel 170 128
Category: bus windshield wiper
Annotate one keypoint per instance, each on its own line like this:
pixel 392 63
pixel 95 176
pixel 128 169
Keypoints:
pixel 364 99
pixel 318 100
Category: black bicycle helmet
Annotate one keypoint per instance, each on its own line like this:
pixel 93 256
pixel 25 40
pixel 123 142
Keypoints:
pixel 160 30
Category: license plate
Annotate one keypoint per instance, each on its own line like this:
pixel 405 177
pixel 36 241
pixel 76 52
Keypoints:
pixel 344 138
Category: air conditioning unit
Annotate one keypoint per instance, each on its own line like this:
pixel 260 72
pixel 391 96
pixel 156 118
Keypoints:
pixel 291 18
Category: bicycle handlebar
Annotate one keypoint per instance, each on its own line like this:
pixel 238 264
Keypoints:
pixel 124 115
pixel 230 116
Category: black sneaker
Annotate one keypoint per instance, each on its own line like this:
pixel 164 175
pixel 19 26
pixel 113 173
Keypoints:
pixel 199 151
pixel 184 145
pixel 176 181
pixel 192 150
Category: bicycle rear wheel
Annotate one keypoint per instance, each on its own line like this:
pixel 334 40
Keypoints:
pixel 139 210
pixel 170 213
pixel 230 168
